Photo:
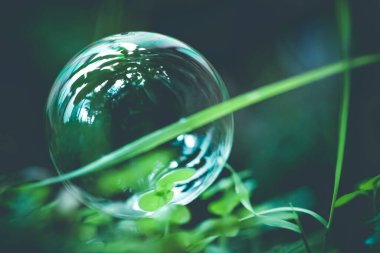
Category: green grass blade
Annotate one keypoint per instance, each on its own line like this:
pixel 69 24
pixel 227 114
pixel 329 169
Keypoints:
pixel 347 198
pixel 290 209
pixel 344 26
pixel 344 23
pixel 370 184
pixel 208 115
pixel 278 223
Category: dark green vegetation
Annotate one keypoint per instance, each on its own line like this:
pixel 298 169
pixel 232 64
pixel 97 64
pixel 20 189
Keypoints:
pixel 232 215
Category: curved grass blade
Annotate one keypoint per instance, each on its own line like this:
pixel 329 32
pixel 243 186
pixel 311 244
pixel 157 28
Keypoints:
pixel 208 115
pixel 290 209
pixel 277 223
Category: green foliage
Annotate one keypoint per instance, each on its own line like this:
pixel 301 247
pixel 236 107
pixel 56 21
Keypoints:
pixel 225 226
pixel 241 190
pixel 347 198
pixel 225 205
pixel 163 194
pixel 178 175
pixel 177 214
pixel 154 200
pixel 128 175
pixel 370 184
pixel 260 217
pixel 226 184
pixel 366 188
pixel 169 229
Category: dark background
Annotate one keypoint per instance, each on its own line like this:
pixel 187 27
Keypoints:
pixel 288 141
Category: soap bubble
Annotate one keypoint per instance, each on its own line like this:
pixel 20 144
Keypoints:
pixel 119 89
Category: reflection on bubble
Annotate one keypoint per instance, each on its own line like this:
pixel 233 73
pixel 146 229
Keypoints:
pixel 121 88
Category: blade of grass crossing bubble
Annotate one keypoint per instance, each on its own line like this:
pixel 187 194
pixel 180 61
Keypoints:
pixel 344 24
pixel 208 115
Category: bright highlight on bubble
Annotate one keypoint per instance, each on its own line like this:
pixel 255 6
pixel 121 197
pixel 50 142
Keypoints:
pixel 119 89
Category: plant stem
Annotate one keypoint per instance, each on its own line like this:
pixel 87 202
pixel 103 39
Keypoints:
pixel 303 236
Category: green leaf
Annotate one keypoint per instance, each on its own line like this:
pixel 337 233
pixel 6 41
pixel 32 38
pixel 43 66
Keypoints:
pixel 175 214
pixel 149 226
pixel 200 245
pixel 224 205
pixel 176 242
pixel 367 185
pixel 290 209
pixel 154 200
pixel 347 198
pixel 370 184
pixel 278 223
pixel 178 175
pixel 298 210
pixel 226 226
pixel 129 176
pixel 209 115
pixel 97 219
pixel 226 183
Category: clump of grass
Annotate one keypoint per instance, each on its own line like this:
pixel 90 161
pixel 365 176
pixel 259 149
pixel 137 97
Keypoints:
pixel 169 230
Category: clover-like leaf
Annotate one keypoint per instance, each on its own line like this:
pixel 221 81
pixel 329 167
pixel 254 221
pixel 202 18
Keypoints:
pixel 179 214
pixel 224 205
pixel 154 200
pixel 225 226
pixel 178 175
pixel 149 226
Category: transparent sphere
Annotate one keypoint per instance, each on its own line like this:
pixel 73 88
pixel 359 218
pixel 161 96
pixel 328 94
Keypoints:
pixel 119 89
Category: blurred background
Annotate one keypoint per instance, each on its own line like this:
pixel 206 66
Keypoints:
pixel 288 142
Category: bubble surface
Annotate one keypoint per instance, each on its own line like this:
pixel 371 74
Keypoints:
pixel 119 89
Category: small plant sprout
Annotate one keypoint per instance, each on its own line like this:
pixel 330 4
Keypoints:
pixel 163 194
